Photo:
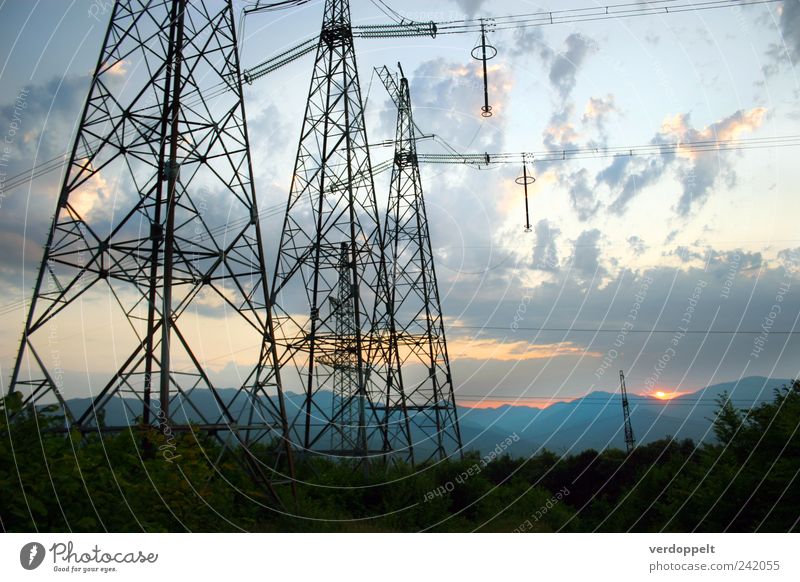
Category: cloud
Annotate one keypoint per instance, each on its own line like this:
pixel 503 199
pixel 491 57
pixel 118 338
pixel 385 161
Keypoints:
pixel 470 7
pixel 119 68
pixel 790 260
pixel 732 127
pixel 531 40
pixel 629 176
pixel 46 115
pixel 545 253
pixel 582 195
pixel 566 64
pixel 560 132
pixel 698 179
pixel 513 351
pixel 94 195
pixel 637 245
pixel 447 97
pixel 787 51
pixel 586 256
pixel 697 172
pixel 598 110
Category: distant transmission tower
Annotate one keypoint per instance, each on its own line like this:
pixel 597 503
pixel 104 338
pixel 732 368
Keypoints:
pixel 348 406
pixel 427 383
pixel 155 252
pixel 630 441
pixel 332 206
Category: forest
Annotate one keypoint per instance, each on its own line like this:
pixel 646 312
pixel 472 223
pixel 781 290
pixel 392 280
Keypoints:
pixel 144 480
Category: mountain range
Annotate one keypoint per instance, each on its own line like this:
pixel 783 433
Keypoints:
pixel 593 421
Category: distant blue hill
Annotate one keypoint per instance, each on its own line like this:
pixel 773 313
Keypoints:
pixel 595 420
pixel 590 422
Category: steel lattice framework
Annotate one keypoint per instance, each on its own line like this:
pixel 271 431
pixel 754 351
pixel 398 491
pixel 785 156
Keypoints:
pixel 332 206
pixel 427 383
pixel 630 440
pixel 157 227
pixel 347 403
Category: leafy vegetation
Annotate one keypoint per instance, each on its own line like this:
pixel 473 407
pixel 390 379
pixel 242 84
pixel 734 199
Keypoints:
pixel 142 480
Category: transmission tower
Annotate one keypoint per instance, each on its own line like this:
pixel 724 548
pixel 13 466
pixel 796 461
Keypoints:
pixel 332 206
pixel 156 230
pixel 416 311
pixel 347 404
pixel 630 441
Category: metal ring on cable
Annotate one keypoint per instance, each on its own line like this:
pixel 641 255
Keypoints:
pixel 481 46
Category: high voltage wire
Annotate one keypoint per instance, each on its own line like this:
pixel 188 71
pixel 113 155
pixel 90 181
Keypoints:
pixel 410 28
pixel 660 149
pixel 637 400
pixel 448 27
pixel 486 159
pixel 569 399
pixel 406 27
pixel 612 330
pixel 589 14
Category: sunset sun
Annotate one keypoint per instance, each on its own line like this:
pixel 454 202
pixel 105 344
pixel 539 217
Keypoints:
pixel 663 395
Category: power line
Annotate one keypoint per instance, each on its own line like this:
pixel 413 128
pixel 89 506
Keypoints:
pixel 387 10
pixel 606 330
pixel 407 28
pixel 652 149
pixel 589 14
pixel 637 400
pixel 428 29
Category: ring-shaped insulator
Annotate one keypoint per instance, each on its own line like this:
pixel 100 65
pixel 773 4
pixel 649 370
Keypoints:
pixel 486 111
pixel 525 180
pixel 477 52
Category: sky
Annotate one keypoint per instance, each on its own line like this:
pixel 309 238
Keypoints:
pixel 619 247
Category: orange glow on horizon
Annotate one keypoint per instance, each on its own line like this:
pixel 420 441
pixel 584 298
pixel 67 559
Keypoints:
pixel 662 395
pixel 517 403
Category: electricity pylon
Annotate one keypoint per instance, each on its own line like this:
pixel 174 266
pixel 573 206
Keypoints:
pixel 155 251
pixel 332 206
pixel 347 404
pixel 630 441
pixel 416 311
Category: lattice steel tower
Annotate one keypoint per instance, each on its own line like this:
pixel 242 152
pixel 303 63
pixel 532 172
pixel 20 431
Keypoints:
pixel 332 206
pixel 630 441
pixel 155 247
pixel 347 404
pixel 425 377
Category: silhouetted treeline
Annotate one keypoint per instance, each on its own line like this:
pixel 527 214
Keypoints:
pixel 146 481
